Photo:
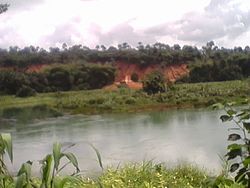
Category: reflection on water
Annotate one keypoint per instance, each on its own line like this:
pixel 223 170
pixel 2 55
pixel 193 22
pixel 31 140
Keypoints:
pixel 195 136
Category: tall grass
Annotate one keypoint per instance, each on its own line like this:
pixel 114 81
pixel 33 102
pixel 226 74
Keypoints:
pixel 126 100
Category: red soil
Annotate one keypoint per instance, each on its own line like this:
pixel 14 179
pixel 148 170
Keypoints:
pixel 171 72
pixel 35 68
pixel 125 70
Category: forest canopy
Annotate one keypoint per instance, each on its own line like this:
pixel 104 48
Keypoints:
pixel 79 67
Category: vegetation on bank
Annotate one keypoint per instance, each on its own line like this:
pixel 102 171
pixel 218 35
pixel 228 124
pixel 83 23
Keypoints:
pixel 70 69
pixel 56 78
pixel 127 100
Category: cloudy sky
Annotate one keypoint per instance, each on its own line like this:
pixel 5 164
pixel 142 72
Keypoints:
pixel 48 23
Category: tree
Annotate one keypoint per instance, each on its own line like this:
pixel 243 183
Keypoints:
pixel 3 8
pixel 154 83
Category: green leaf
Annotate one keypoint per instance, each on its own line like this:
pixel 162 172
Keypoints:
pixel 71 157
pixel 47 171
pixel 241 175
pixel 234 137
pixel 20 182
pixel 234 153
pixel 234 146
pixel 244 116
pixel 225 118
pixel 231 112
pixel 234 167
pixel 25 169
pixel 247 126
pixel 57 154
pixel 246 161
pixel 98 156
pixel 8 144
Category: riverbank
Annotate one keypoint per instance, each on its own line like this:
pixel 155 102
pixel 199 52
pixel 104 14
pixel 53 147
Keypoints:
pixel 144 175
pixel 127 100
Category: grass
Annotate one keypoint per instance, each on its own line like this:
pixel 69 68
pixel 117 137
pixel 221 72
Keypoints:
pixel 126 100
pixel 149 175
pixel 144 175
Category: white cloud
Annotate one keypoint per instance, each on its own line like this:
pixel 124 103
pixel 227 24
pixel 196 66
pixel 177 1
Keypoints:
pixel 90 22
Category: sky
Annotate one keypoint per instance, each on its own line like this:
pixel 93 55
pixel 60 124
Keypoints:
pixel 50 23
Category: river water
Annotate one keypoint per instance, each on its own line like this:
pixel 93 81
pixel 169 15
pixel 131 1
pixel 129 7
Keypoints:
pixel 174 136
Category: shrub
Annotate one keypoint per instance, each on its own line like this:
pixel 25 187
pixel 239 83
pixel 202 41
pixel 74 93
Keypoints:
pixel 25 91
pixel 134 77
pixel 154 83
pixel 130 100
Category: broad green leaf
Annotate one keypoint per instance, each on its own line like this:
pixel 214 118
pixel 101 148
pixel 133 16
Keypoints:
pixel 234 146
pixel 247 126
pixel 241 114
pixel 71 157
pixel 58 182
pixel 246 161
pixel 47 171
pixel 234 137
pixel 25 169
pixel 234 153
pixel 234 167
pixel 8 144
pixel 57 154
pixel 244 116
pixel 21 181
pixel 98 156
pixel 241 175
pixel 225 118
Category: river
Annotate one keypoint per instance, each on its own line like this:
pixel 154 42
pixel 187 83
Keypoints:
pixel 195 136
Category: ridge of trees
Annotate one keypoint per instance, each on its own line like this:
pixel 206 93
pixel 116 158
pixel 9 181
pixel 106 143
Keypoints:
pixel 69 68
pixel 142 54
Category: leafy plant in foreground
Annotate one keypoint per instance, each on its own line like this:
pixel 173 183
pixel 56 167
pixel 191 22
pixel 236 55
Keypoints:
pixel 238 154
pixel 51 167
pixel 5 147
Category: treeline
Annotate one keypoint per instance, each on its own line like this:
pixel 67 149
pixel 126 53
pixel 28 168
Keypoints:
pixel 56 78
pixel 142 54
pixel 209 63
pixel 221 65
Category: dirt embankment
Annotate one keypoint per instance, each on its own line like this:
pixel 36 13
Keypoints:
pixel 125 70
pixel 171 72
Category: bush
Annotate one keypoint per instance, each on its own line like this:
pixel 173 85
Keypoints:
pixel 154 83
pixel 135 77
pixel 25 91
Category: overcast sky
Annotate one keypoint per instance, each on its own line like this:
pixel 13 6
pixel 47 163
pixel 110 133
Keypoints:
pixel 48 23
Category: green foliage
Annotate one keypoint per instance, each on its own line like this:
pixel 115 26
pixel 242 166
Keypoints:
pixel 25 91
pixel 134 77
pixel 59 79
pixel 56 78
pixel 5 147
pixel 149 175
pixel 123 100
pixel 154 83
pixel 239 148
pixel 11 82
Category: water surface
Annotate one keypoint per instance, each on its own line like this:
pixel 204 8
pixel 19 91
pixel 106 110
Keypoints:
pixel 195 136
